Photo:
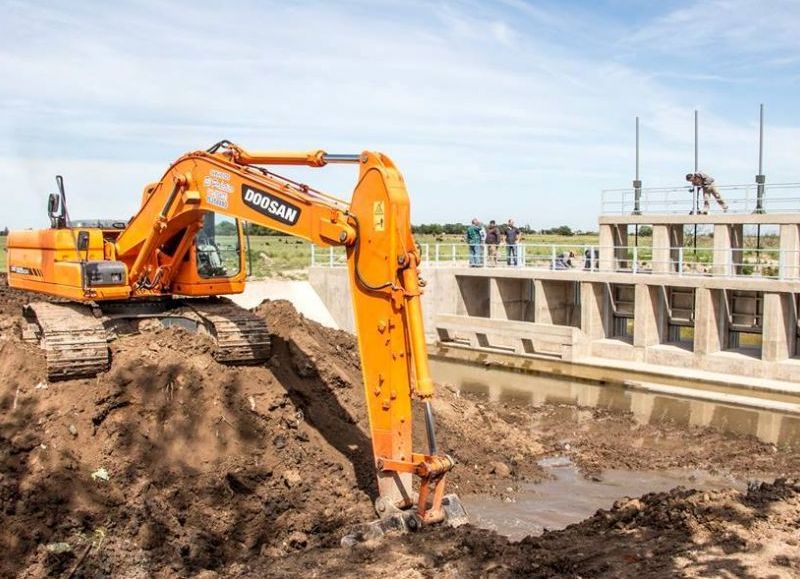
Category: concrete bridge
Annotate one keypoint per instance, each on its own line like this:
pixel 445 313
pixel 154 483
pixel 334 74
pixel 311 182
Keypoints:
pixel 720 329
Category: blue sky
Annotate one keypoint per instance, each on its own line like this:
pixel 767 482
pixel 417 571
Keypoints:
pixel 491 109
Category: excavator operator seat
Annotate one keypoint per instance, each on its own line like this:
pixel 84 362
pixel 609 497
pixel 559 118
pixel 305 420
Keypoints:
pixel 217 247
pixel 209 261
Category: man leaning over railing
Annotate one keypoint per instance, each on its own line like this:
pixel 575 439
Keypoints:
pixel 706 183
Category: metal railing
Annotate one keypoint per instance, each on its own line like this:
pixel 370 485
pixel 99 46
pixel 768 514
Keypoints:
pixel 706 261
pixel 530 255
pixel 634 259
pixel 328 256
pixel 523 255
pixel 741 199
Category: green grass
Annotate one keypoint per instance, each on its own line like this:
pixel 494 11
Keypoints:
pixel 289 257
pixel 281 256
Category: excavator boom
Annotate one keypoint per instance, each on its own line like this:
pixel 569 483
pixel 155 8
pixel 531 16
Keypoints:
pixel 168 251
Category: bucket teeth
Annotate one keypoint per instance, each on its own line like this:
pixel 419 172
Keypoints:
pixel 398 522
pixel 455 515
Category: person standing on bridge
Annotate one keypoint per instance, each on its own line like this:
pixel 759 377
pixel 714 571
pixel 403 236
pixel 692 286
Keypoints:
pixel 492 242
pixel 706 183
pixel 474 240
pixel 512 240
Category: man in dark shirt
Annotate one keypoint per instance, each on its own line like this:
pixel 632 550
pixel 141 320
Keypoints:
pixel 492 242
pixel 513 237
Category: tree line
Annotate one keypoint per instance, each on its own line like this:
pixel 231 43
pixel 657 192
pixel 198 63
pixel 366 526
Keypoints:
pixel 228 228
pixel 461 228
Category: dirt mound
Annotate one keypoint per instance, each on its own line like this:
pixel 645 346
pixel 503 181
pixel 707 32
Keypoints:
pixel 11 302
pixel 173 464
pixel 597 439
pixel 333 356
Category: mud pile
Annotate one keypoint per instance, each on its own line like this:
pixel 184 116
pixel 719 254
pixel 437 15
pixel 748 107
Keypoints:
pixel 597 439
pixel 173 465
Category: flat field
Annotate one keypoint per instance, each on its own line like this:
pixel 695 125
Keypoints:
pixel 289 257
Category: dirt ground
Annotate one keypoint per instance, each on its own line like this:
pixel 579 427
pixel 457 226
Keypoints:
pixel 171 465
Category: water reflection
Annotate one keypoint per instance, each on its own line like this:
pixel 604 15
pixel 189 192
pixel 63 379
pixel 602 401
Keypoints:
pixel 508 385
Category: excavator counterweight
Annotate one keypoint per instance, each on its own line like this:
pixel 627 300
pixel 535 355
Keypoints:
pixel 183 252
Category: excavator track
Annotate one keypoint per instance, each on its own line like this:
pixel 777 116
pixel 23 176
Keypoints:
pixel 242 337
pixel 74 340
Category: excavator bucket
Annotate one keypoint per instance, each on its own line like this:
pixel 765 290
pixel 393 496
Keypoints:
pixel 455 514
pixel 407 521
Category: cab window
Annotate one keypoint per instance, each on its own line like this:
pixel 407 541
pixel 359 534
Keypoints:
pixel 217 247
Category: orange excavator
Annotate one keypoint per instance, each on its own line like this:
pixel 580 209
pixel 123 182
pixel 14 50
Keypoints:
pixel 183 250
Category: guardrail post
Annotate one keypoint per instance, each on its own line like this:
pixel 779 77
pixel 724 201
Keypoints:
pixel 635 265
pixel 453 258
pixel 637 183
pixel 313 254
pixel 436 253
pixel 760 178
pixel 330 256
pixel 552 257
pixel 680 261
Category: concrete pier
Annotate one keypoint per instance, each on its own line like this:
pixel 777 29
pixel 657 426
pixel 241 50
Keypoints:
pixel 504 308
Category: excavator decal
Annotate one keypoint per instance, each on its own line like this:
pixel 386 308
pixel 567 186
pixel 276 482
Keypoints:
pixel 218 186
pixel 262 202
pixel 378 216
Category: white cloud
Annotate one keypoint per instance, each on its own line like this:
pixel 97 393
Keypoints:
pixel 482 113
pixel 741 25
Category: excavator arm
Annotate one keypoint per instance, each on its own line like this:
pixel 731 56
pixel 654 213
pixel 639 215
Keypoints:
pixel 383 261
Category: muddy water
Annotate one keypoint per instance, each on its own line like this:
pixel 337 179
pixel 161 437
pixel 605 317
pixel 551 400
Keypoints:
pixel 649 408
pixel 569 497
